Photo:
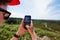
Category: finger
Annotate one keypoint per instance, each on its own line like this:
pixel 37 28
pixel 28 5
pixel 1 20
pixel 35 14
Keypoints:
pixel 30 30
pixel 28 27
pixel 22 22
pixel 31 24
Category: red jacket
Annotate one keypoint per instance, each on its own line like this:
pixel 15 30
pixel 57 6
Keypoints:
pixel 14 2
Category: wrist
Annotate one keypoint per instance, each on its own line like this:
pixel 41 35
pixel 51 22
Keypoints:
pixel 16 36
pixel 18 33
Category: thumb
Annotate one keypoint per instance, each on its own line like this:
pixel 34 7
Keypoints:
pixel 27 26
pixel 30 30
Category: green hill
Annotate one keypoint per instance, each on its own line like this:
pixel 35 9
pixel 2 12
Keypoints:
pixel 50 28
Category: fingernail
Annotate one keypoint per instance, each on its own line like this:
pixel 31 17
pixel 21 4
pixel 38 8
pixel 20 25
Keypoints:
pixel 27 26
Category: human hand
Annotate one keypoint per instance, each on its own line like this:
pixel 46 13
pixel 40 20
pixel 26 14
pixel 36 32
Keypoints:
pixel 30 28
pixel 21 29
pixel 31 31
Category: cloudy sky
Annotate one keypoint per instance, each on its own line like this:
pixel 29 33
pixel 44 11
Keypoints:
pixel 38 9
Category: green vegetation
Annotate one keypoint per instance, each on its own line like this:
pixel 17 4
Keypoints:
pixel 48 28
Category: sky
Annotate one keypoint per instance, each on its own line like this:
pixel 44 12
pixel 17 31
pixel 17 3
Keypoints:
pixel 38 9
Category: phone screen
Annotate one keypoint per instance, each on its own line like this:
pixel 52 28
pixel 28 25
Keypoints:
pixel 27 19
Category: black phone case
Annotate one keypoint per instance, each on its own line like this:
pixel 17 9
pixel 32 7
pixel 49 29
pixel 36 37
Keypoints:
pixel 25 23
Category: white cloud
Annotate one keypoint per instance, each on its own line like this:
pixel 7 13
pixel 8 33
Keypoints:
pixel 40 8
pixel 54 10
pixel 36 8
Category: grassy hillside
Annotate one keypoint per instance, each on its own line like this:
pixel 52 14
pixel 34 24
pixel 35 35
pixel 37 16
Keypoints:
pixel 42 27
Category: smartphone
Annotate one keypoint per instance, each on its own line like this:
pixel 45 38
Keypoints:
pixel 27 20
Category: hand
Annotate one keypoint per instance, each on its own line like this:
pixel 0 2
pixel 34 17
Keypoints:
pixel 21 29
pixel 31 31
pixel 30 28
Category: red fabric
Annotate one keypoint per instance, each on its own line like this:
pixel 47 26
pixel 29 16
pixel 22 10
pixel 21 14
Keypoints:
pixel 14 2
